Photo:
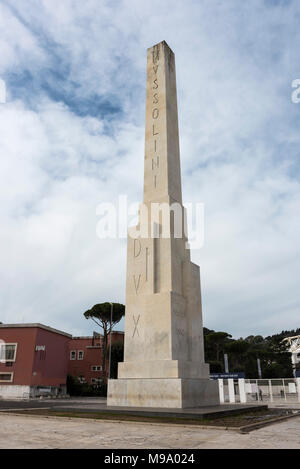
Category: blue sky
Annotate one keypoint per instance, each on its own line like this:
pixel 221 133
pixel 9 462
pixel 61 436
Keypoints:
pixel 72 136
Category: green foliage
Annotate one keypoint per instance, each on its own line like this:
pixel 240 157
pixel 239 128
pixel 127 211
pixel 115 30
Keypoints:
pixel 75 388
pixel 215 343
pixel 254 339
pixel 243 354
pixel 216 367
pixel 101 314
pixel 117 355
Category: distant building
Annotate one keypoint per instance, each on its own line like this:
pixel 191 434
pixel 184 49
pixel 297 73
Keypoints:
pixel 294 348
pixel 85 357
pixel 33 360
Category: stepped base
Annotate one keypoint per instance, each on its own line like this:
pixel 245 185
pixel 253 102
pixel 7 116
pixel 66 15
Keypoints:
pixel 162 392
pixel 163 369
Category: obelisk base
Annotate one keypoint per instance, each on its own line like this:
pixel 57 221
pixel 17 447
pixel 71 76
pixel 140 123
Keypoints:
pixel 162 392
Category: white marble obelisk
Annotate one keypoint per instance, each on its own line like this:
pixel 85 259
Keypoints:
pixel 164 354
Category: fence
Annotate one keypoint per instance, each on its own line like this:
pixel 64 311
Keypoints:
pixel 259 390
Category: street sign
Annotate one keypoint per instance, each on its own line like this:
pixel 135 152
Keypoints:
pixel 238 375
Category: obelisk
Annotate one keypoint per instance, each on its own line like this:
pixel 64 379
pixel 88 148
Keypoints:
pixel 164 354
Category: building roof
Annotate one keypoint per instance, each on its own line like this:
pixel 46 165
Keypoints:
pixel 32 325
pixel 51 329
pixel 95 337
pixel 85 337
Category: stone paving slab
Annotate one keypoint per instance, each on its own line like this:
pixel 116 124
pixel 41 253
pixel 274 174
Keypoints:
pixel 35 432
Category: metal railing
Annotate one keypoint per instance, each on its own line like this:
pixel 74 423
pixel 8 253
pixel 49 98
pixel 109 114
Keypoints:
pixel 279 390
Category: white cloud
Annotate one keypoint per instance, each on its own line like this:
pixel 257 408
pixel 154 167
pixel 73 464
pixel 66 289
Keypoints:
pixel 239 144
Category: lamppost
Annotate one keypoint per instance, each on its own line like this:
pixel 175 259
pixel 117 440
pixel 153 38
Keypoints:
pixel 259 368
pixel 109 357
pixel 226 363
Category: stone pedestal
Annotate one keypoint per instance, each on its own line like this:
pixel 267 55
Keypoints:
pixel 163 392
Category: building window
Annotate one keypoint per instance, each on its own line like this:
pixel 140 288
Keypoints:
pixel 96 381
pixel 96 368
pixel 8 352
pixel 80 355
pixel 6 377
pixel 73 355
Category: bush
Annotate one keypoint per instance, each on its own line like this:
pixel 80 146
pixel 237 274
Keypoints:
pixel 77 389
pixel 215 367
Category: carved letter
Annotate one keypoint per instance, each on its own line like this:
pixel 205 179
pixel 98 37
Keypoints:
pixel 136 283
pixel 137 247
pixel 155 98
pixel 135 325
pixel 155 54
pixel 155 164
pixel 154 131
pixel 155 82
pixel 155 113
pixel 147 254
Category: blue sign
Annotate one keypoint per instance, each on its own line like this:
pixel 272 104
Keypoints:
pixel 238 375
pixel 297 373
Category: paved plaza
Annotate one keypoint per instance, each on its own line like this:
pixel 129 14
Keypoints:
pixel 18 431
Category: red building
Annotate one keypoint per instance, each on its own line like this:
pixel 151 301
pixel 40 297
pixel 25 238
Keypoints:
pixel 33 360
pixel 85 357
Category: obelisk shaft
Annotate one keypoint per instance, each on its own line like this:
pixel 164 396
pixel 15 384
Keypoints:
pixel 162 160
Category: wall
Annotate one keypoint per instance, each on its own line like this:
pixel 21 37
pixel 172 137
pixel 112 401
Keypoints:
pixel 36 368
pixel 92 355
pixel 14 392
pixel 22 367
pixel 50 366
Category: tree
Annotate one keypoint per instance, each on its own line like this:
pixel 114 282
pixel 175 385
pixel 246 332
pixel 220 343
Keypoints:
pixel 215 367
pixel 254 339
pixel 101 315
pixel 215 344
pixel 237 351
pixel 243 353
pixel 117 355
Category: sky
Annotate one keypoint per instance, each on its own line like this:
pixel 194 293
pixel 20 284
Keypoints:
pixel 72 137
